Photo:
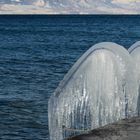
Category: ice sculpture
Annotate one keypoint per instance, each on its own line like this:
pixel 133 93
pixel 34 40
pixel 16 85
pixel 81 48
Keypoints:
pixel 134 50
pixel 99 89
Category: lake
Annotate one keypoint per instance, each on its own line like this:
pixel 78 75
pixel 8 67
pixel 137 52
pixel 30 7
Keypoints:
pixel 36 51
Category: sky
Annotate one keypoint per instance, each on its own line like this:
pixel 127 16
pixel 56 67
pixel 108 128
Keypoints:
pixel 69 6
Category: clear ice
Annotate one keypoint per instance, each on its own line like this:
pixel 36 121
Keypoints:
pixel 100 88
pixel 134 51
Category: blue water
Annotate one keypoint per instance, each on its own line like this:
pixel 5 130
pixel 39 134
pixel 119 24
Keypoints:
pixel 35 54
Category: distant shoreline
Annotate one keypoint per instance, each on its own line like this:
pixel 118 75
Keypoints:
pixel 75 15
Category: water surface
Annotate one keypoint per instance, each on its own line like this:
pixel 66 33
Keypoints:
pixel 35 54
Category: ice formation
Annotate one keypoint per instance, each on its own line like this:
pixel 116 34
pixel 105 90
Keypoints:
pixel 100 88
pixel 134 50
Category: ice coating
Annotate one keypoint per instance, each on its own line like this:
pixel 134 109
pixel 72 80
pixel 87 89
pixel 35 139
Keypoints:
pixel 134 50
pixel 100 88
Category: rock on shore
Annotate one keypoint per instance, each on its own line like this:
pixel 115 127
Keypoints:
pixel 127 129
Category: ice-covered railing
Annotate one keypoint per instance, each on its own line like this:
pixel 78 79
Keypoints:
pixel 100 88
